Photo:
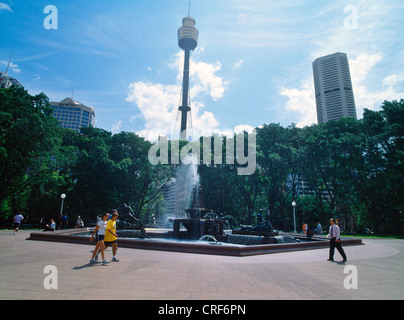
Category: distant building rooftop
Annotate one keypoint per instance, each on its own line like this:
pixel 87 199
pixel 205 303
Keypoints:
pixel 7 81
pixel 73 114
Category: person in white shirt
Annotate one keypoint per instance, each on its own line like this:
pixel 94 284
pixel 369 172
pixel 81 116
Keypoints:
pixel 51 226
pixel 335 241
pixel 79 222
pixel 17 222
pixel 100 230
pixel 319 229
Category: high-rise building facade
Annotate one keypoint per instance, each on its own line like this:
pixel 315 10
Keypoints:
pixel 333 88
pixel 6 81
pixel 73 115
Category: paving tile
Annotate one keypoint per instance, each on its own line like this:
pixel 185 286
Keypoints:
pixel 158 275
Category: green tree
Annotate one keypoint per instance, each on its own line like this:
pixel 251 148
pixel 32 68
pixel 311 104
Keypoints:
pixel 28 137
pixel 140 183
pixel 376 167
pixel 91 173
pixel 277 163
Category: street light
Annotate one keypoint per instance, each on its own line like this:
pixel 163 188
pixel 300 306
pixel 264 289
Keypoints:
pixel 63 196
pixel 294 217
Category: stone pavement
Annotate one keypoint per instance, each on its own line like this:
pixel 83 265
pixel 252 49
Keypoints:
pixel 151 275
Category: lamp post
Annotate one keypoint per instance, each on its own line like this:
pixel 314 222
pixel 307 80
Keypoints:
pixel 294 217
pixel 63 196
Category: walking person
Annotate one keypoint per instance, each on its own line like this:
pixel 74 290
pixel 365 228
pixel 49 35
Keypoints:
pixel 111 238
pixel 304 227
pixel 100 231
pixel 335 241
pixel 41 223
pixel 17 222
pixel 64 222
pixel 319 228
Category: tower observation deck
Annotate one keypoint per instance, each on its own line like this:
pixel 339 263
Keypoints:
pixel 188 34
pixel 187 40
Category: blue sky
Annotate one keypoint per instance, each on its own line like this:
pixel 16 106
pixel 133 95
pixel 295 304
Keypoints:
pixel 252 65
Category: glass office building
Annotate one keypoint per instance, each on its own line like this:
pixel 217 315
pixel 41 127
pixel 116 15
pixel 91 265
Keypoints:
pixel 73 115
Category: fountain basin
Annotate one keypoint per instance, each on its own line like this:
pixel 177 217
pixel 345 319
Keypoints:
pixel 198 247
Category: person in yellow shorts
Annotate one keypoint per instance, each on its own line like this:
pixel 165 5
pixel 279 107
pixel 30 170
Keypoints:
pixel 111 238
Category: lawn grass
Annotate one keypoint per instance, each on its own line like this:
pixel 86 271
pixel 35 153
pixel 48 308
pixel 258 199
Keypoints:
pixel 374 236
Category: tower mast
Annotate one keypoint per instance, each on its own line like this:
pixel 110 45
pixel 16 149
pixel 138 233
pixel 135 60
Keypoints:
pixel 8 65
pixel 187 40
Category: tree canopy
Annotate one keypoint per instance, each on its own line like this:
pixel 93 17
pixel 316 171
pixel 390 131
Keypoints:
pixel 349 169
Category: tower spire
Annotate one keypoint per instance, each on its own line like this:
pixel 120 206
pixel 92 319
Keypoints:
pixel 8 65
pixel 187 40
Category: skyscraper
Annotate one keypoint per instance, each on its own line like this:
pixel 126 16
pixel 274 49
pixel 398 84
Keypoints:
pixel 333 88
pixel 73 115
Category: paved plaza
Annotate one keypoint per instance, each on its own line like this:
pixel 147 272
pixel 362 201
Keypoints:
pixel 151 275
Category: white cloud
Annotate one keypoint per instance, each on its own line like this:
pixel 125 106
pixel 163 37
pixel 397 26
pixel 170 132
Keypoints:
pixel 206 81
pixel 4 6
pixel 301 101
pixel 376 25
pixel 393 80
pixel 13 66
pixel 116 126
pixel 243 127
pixel 366 47
pixel 390 88
pixel 158 103
pixel 238 64
pixel 202 75
pixel 242 19
pixel 361 66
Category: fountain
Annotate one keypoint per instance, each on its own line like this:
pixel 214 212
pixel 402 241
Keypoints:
pixel 127 219
pixel 185 206
pixel 197 226
pixel 177 193
pixel 195 229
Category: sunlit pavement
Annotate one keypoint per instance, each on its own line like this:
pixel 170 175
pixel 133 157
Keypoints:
pixel 373 271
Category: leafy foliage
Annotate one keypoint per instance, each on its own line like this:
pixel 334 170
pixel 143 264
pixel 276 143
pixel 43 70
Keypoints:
pixel 349 169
